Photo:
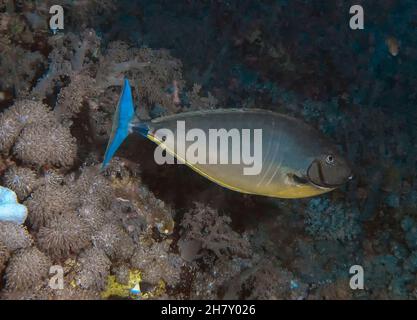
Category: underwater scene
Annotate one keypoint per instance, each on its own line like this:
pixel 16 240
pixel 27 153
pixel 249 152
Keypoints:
pixel 208 149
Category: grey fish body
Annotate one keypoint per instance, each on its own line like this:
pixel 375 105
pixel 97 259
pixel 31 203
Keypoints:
pixel 288 148
pixel 250 151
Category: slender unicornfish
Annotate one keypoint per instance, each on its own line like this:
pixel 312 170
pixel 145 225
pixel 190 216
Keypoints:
pixel 296 160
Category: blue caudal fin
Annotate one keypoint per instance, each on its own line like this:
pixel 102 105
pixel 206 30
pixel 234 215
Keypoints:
pixel 123 116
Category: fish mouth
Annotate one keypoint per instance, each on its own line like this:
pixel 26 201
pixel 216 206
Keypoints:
pixel 316 178
pixel 325 186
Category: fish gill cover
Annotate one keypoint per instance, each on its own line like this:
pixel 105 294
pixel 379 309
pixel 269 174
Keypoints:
pixel 165 231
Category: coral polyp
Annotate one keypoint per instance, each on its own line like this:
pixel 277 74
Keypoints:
pixel 14 236
pixel 95 267
pixel 21 180
pixel 4 256
pixel 49 201
pixel 59 149
pixel 114 241
pixel 27 268
pixel 63 235
pixel 15 118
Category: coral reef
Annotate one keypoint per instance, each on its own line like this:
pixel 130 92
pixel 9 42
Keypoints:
pixel 156 263
pixel 4 256
pixel 332 221
pixel 131 289
pixel 114 241
pixel 268 281
pixel 63 235
pixel 15 118
pixel 14 236
pixel 59 149
pixel 135 225
pixel 48 201
pixel 92 188
pixel 95 269
pixel 27 268
pixel 21 180
pixel 205 226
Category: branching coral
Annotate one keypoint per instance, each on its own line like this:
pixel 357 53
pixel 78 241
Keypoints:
pixel 20 75
pixel 114 241
pixel 21 180
pixel 196 101
pixel 95 269
pixel 49 201
pixel 153 73
pixel 159 77
pixel 63 235
pixel 46 144
pixel 71 55
pixel 71 98
pixel 14 236
pixel 26 269
pixel 213 231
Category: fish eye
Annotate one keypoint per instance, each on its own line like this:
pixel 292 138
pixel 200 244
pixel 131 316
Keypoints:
pixel 330 159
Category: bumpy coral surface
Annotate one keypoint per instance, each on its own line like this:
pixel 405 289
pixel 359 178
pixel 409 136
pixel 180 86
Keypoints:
pixel 21 180
pixel 14 236
pixel 63 235
pixel 4 256
pixel 204 225
pixel 157 264
pixel 27 268
pixel 336 222
pixel 15 118
pixel 59 148
pixel 95 267
pixel 114 241
pixel 49 201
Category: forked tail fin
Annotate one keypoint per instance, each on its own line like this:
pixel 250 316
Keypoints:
pixel 123 117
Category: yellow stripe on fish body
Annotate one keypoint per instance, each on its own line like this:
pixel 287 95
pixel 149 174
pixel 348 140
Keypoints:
pixel 288 148
pixel 295 160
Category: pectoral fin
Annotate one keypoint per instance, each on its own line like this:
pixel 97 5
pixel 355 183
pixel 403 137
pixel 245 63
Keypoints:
pixel 300 180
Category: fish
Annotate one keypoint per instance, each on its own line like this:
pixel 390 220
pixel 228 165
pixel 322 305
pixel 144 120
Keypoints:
pixel 297 160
